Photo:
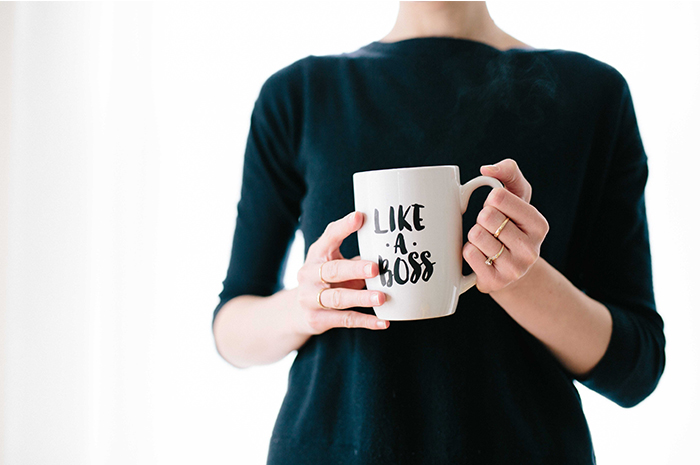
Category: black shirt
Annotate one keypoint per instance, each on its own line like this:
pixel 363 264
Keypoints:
pixel 474 387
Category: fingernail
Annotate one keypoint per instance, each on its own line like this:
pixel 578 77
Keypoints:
pixel 381 324
pixel 368 269
pixel 351 216
pixel 375 298
pixel 492 167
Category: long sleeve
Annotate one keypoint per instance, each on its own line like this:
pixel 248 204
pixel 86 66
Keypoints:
pixel 271 192
pixel 617 269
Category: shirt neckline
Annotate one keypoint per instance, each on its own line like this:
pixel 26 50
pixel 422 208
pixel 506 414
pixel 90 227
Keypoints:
pixel 436 45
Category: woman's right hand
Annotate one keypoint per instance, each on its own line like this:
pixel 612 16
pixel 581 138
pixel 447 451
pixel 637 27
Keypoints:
pixel 345 288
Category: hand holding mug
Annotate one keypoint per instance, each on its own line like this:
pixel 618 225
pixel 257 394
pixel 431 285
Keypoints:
pixel 329 283
pixel 519 228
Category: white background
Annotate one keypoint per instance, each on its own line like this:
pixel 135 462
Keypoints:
pixel 122 130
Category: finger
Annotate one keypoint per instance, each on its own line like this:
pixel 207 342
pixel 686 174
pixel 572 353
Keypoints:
pixel 488 245
pixel 508 172
pixel 524 215
pixel 476 260
pixel 336 271
pixel 510 264
pixel 491 219
pixel 339 298
pixel 347 319
pixel 335 233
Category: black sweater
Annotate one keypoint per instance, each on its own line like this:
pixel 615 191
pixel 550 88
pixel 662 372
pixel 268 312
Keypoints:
pixel 474 387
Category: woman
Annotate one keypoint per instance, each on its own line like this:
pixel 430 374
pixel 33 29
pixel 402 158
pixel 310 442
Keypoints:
pixel 492 383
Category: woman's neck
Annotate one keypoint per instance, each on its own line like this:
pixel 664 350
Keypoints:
pixel 463 20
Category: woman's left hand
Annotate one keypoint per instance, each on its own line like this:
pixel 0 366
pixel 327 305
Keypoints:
pixel 522 235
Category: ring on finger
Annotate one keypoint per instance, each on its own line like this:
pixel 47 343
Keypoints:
pixel 500 228
pixel 490 260
pixel 318 298
pixel 320 275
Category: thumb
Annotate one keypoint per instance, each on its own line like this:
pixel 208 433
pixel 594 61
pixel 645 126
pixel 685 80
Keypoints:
pixel 508 172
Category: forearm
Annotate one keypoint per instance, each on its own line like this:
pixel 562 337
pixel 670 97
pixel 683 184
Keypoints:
pixel 573 326
pixel 253 330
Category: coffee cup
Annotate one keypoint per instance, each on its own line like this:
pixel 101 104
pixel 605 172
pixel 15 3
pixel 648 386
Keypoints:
pixel 413 229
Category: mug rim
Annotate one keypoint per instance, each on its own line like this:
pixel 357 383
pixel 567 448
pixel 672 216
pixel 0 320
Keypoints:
pixel 408 168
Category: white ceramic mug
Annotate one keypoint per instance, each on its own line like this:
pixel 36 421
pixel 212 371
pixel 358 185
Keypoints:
pixel 413 230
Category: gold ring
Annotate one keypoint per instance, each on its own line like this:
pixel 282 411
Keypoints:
pixel 320 274
pixel 318 298
pixel 500 228
pixel 492 259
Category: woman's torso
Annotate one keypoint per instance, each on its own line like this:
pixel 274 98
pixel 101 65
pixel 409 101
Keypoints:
pixel 472 387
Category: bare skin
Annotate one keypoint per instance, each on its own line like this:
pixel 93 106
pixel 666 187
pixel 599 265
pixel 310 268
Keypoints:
pixel 252 330
pixel 461 20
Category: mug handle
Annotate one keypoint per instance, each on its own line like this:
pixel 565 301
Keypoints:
pixel 465 192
